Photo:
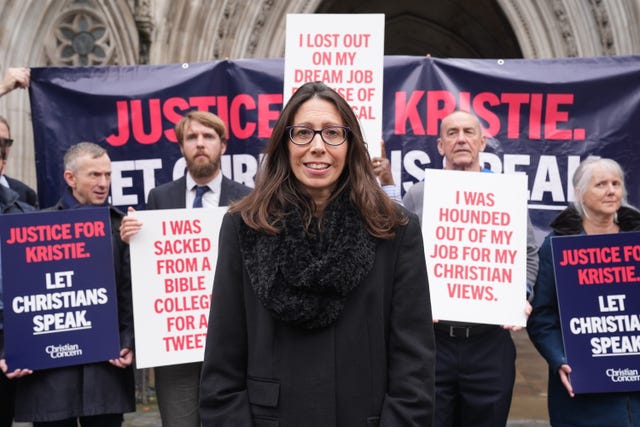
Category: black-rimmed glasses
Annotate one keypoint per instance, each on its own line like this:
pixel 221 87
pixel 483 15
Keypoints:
pixel 6 141
pixel 331 135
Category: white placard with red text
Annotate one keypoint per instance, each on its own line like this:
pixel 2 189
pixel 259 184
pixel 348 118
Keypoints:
pixel 346 52
pixel 173 260
pixel 474 227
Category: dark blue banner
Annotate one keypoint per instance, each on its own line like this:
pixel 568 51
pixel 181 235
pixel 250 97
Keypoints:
pixel 597 280
pixel 542 118
pixel 59 288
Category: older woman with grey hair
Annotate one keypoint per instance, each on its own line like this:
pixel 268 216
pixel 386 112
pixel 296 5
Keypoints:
pixel 600 207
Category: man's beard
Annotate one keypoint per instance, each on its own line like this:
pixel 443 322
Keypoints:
pixel 202 170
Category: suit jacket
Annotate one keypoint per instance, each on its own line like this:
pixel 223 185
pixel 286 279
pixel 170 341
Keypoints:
pixel 9 204
pixel 26 194
pixel 374 366
pixel 172 195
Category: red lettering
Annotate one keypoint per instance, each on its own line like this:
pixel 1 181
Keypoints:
pixel 467 291
pixel 122 137
pixel 492 120
pixel 408 110
pixel 535 116
pixel 266 115
pixel 55 252
pixel 223 110
pixel 202 103
pixel 436 114
pixel 554 116
pixel 144 125
pixel 440 103
pixel 137 121
pixel 465 101
pixel 239 105
pixel 184 284
pixel 170 113
pixel 185 342
pixel 515 102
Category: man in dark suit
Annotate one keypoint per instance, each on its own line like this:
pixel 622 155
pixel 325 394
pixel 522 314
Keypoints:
pixel 26 194
pixel 475 363
pixel 9 203
pixel 202 140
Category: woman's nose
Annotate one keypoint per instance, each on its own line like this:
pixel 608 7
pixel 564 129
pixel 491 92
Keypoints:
pixel 317 144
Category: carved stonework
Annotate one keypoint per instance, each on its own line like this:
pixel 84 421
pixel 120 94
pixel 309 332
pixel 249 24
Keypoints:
pixel 258 27
pixel 604 27
pixel 144 23
pixel 80 36
pixel 225 29
pixel 524 25
pixel 571 48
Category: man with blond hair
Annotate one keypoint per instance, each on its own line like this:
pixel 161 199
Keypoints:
pixel 202 138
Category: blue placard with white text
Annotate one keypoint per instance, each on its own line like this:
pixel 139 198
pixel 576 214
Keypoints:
pixel 59 294
pixel 597 281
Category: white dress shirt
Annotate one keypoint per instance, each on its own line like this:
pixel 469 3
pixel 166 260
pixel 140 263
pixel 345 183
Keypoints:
pixel 211 198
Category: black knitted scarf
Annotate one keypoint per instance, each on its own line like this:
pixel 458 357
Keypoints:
pixel 304 278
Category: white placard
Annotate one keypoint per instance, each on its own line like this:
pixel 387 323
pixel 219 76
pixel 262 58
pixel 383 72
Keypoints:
pixel 346 52
pixel 474 227
pixel 173 260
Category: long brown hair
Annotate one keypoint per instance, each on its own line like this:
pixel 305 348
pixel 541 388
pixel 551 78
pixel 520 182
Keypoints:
pixel 277 190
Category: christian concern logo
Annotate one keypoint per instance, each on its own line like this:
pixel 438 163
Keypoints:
pixel 623 375
pixel 64 350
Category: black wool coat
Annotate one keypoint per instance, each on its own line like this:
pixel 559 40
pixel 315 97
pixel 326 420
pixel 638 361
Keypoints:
pixel 374 366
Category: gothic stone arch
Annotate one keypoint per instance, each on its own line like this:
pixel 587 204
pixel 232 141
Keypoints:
pixel 105 32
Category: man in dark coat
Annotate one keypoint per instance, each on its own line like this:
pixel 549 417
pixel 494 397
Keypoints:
pixel 202 139
pixel 25 193
pixel 96 393
pixel 9 203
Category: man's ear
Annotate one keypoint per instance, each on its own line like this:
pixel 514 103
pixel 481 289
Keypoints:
pixel 69 178
pixel 223 148
pixel 484 142
pixel 439 145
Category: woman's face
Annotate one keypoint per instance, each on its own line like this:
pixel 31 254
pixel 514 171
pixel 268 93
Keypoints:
pixel 603 194
pixel 317 165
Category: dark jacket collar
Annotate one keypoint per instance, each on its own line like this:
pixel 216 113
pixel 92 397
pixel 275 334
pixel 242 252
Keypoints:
pixel 67 201
pixel 569 222
pixel 10 203
pixel 7 196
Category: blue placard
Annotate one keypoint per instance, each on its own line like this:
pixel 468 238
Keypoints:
pixel 59 294
pixel 597 279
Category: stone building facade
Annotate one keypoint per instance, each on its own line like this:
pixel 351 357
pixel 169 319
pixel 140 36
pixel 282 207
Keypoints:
pixel 39 33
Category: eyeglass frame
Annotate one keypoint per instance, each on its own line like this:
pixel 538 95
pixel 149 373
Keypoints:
pixel 346 129
pixel 9 141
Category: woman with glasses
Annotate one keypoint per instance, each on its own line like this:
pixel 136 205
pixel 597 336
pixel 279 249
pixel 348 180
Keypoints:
pixel 320 312
pixel 600 207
